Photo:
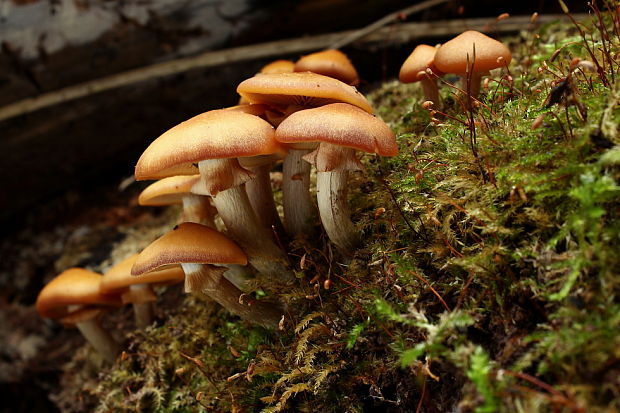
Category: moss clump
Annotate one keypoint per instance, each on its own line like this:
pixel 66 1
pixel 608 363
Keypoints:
pixel 489 277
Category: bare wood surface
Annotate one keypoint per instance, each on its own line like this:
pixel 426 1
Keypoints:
pixel 401 33
pixel 392 17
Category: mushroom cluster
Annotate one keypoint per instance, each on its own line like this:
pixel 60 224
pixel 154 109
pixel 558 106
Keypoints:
pixel 218 164
pixel 470 55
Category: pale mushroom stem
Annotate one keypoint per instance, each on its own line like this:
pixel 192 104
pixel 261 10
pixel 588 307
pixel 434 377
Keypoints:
pixel 333 162
pixel 296 199
pixel 99 338
pixel 213 284
pixel 261 198
pixel 233 206
pixel 235 210
pixel 331 190
pixel 197 208
pixel 144 313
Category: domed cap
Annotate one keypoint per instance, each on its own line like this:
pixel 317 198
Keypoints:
pixel 189 243
pixel 119 276
pixel 419 60
pixel 118 279
pixel 279 66
pixel 332 63
pixel 168 191
pixel 73 287
pixel 339 124
pixel 452 56
pixel 300 89
pixel 215 134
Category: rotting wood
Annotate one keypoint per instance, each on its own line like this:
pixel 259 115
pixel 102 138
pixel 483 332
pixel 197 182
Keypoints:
pixel 390 18
pixel 401 33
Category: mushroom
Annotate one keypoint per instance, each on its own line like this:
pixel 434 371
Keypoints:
pixel 138 290
pixel 198 249
pixel 214 140
pixel 177 190
pixel 341 129
pixel 289 92
pixel 259 188
pixel 415 67
pixel 277 66
pixel 75 298
pixel 474 53
pixel 304 89
pixel 332 63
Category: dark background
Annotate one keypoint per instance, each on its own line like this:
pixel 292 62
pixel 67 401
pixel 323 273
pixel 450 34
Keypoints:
pixel 83 143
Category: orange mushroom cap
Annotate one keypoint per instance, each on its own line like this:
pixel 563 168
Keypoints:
pixel 118 279
pixel 301 89
pixel 168 191
pixel 419 60
pixel 119 276
pixel 339 124
pixel 278 66
pixel 82 314
pixel 452 56
pixel 216 134
pixel 189 243
pixel 75 286
pixel 332 63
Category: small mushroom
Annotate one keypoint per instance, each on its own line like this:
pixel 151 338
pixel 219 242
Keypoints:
pixel 138 290
pixel 471 52
pixel 304 89
pixel 279 66
pixel 214 140
pixel 289 92
pixel 199 250
pixel 341 129
pixel 177 190
pixel 74 297
pixel 332 63
pixel 415 67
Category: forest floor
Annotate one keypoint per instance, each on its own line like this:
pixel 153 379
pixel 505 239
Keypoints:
pixel 488 280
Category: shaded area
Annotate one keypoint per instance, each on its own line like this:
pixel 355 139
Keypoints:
pixel 67 141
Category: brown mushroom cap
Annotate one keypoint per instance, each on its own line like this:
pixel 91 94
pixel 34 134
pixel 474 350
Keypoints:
pixel 168 191
pixel 419 60
pixel 119 276
pixel 339 124
pixel 189 243
pixel 301 89
pixel 264 111
pixel 452 56
pixel 80 315
pixel 216 134
pixel 75 286
pixel 278 66
pixel 332 63
pixel 257 109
